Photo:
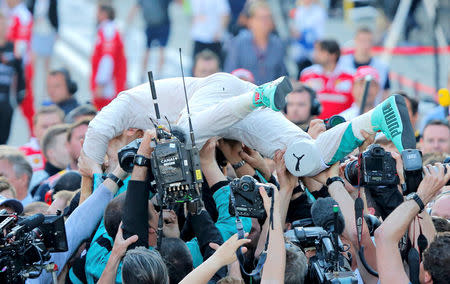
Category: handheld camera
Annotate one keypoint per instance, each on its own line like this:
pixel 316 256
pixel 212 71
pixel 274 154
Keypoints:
pixel 247 200
pixel 374 167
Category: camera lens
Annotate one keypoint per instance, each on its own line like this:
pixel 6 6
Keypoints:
pixel 127 161
pixel 351 172
pixel 245 186
pixel 334 120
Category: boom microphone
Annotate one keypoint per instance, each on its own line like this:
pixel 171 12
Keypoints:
pixel 323 215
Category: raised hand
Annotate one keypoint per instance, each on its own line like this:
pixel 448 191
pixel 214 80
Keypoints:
pixel 226 253
pixel 285 178
pixel 254 159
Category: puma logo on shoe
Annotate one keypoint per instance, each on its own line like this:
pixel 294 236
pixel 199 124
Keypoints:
pixel 297 166
pixel 391 121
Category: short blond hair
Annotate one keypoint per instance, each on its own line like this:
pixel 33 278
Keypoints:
pixel 35 208
pixel 47 110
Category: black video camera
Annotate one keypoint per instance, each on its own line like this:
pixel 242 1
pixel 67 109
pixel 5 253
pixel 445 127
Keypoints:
pixel 374 167
pixel 26 243
pixel 176 168
pixel 322 268
pixel 247 200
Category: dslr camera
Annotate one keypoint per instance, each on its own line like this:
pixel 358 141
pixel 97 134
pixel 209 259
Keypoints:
pixel 374 167
pixel 247 200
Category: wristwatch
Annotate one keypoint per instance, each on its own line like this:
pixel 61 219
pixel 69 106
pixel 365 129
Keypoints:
pixel 333 179
pixel 115 179
pixel 141 161
pixel 416 198
pixel 238 165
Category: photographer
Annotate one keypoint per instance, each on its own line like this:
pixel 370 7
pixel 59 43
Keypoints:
pixel 83 221
pixel 339 193
pixel 434 267
pixel 140 265
pixel 226 254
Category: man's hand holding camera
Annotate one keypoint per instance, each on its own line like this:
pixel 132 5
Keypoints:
pixel 145 150
pixel 434 179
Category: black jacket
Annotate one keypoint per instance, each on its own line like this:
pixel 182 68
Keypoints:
pixel 52 12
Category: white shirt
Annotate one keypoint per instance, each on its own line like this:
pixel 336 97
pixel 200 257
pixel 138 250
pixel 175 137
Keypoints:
pixel 207 21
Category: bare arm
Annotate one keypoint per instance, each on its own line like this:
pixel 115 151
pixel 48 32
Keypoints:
pixel 276 253
pixel 208 162
pixel 390 266
pixel 224 255
pixel 347 205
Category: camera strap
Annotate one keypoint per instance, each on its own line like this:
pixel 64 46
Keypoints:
pixel 359 221
pixel 256 273
pixel 162 197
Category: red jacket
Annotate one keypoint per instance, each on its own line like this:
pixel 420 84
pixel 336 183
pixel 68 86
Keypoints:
pixel 112 46
pixel 20 26
pixel 334 90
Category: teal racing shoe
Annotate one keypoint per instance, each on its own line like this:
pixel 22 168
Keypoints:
pixel 391 117
pixel 272 94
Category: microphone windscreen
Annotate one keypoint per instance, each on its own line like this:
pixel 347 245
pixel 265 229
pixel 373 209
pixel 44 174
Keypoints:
pixel 323 215
pixel 178 132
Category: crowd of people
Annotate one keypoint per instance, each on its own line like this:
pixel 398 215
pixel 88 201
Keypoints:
pixel 296 136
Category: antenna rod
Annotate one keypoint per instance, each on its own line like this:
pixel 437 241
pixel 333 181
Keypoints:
pixel 191 130
pixel 155 99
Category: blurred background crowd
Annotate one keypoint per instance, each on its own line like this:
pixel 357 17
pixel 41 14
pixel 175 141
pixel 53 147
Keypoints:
pixel 63 60
pixel 406 42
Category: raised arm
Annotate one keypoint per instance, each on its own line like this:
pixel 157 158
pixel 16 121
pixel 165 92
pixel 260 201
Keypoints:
pixel 347 205
pixel 273 271
pixel 118 251
pixel 390 266
pixel 82 222
pixel 135 211
pixel 224 255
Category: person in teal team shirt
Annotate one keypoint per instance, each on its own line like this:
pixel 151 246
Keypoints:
pixel 99 252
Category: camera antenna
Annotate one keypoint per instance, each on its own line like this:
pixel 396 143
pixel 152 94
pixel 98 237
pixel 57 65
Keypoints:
pixel 159 128
pixel 155 99
pixel 168 122
pixel 191 130
pixel 153 122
